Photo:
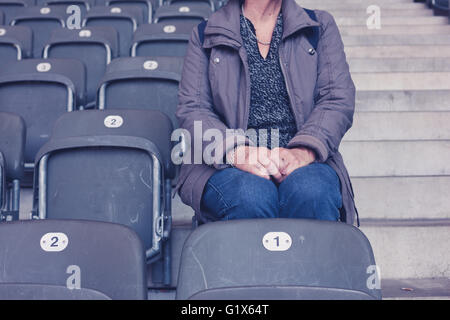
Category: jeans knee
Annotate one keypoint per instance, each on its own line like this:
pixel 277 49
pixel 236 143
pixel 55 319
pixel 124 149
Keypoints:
pixel 258 197
pixel 311 193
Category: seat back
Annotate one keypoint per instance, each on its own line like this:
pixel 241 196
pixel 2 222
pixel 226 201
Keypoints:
pixel 40 91
pixel 95 47
pixel 277 259
pixel 192 13
pixel 12 8
pixel 147 7
pixel 106 166
pixel 12 144
pixel 42 20
pixel 162 39
pixel 83 5
pixel 12 147
pixel 124 19
pixel 70 260
pixel 210 3
pixel 15 43
pixel 142 83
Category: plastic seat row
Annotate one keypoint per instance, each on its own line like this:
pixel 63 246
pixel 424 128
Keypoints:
pixel 41 90
pixel 146 11
pixel 233 260
pixel 168 39
pixel 126 20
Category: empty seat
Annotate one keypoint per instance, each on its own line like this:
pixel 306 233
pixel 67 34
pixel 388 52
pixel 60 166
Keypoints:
pixel 40 91
pixel 441 7
pixel 84 5
pixel 94 46
pixel 142 83
pixel 112 166
pixel 162 39
pixel 125 20
pixel 2 18
pixel 268 259
pixel 42 20
pixel 15 43
pixel 43 260
pixel 12 146
pixel 147 6
pixel 12 8
pixel 192 13
pixel 211 3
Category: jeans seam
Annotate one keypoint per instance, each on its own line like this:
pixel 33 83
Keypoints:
pixel 227 206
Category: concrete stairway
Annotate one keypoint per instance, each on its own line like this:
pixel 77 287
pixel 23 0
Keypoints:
pixel 398 151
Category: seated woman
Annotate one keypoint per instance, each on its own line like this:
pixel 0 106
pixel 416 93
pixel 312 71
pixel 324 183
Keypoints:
pixel 253 67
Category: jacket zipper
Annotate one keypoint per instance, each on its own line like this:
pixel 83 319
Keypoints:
pixel 288 88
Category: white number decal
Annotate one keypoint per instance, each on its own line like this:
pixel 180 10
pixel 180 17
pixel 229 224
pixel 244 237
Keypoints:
pixel 43 67
pixel 150 65
pixel 184 9
pixel 169 29
pixel 54 241
pixel 277 241
pixel 113 121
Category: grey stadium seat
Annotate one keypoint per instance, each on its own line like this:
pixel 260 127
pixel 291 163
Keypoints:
pixel 12 147
pixel 42 20
pixel 269 259
pixel 94 46
pixel 109 166
pixel 162 39
pixel 125 20
pixel 15 43
pixel 142 83
pixel 193 13
pixel 211 3
pixel 2 18
pixel 43 260
pixel 147 6
pixel 40 91
pixel 11 8
pixel 84 5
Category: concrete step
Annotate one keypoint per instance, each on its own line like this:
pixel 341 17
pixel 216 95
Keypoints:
pixel 416 289
pixel 373 126
pixel 361 65
pixel 398 51
pixel 405 100
pixel 395 30
pixel 397 158
pixel 338 12
pixel 355 6
pixel 396 40
pixel 392 21
pixel 402 81
pixel 346 3
pixel 410 251
pixel 402 197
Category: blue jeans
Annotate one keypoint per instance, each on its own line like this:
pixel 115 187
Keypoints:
pixel 311 192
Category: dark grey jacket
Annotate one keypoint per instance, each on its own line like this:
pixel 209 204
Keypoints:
pixel 215 88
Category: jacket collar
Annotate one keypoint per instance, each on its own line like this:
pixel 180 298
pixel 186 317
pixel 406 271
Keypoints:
pixel 224 25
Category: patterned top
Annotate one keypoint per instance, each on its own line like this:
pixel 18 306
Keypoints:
pixel 269 100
